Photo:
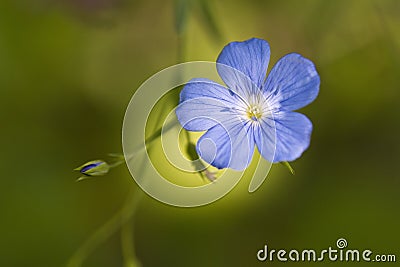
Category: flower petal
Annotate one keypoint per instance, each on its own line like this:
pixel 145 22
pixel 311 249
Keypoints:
pixel 292 83
pixel 204 104
pixel 228 145
pixel 239 61
pixel 201 87
pixel 293 133
pixel 265 139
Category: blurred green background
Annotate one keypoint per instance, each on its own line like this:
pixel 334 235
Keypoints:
pixel 68 69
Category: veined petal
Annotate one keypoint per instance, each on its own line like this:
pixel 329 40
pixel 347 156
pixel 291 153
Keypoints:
pixel 227 145
pixel 293 133
pixel 265 138
pixel 204 104
pixel 242 63
pixel 202 87
pixel 202 113
pixel 292 83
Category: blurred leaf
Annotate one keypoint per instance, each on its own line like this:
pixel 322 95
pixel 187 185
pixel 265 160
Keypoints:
pixel 208 19
pixel 182 8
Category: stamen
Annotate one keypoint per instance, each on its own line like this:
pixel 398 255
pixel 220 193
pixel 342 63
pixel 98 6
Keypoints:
pixel 254 113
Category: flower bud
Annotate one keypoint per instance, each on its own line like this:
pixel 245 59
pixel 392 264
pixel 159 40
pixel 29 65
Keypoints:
pixel 211 176
pixel 94 168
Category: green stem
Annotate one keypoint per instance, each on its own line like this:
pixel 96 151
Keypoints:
pixel 157 133
pixel 123 217
pixel 127 245
pixel 120 218
pixel 127 236
pixel 127 232
pixel 106 230
pixel 287 165
pixel 116 164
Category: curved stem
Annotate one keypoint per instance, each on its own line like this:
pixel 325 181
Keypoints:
pixel 120 218
pixel 127 244
pixel 106 230
pixel 123 217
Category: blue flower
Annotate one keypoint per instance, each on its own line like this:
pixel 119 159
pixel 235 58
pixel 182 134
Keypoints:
pixel 252 110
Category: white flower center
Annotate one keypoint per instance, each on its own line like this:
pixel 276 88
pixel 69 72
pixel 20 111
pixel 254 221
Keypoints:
pixel 254 112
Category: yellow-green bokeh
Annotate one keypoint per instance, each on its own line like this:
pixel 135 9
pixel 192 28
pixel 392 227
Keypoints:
pixel 69 68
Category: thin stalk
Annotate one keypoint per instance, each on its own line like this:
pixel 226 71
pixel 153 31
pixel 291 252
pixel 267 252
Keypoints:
pixel 127 236
pixel 106 230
